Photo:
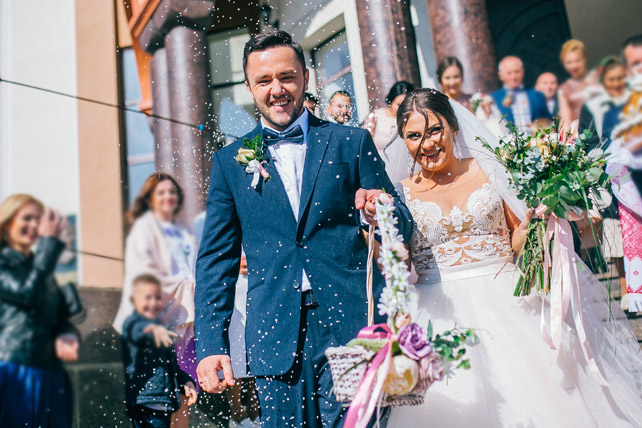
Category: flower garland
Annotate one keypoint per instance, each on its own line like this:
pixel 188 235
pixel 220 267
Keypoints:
pixel 395 297
pixel 404 359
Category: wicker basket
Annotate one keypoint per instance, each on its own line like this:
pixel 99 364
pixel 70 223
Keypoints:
pixel 348 364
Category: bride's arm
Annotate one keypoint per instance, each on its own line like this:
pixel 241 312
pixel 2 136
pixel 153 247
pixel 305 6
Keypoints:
pixel 517 228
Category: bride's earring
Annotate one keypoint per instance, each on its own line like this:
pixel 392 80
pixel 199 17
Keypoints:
pixel 411 164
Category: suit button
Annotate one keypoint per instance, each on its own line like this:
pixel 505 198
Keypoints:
pixel 299 244
pixel 296 284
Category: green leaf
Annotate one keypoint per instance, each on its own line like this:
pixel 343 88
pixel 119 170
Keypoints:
pixel 372 344
pixel 464 364
pixel 395 348
pixel 594 174
pixel 566 193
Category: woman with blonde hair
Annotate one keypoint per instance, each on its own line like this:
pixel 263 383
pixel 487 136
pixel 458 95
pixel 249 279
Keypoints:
pixel 157 244
pixel 35 334
pixel 574 92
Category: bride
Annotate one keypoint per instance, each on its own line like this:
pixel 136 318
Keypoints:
pixel 466 221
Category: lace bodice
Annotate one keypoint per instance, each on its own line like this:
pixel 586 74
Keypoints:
pixel 480 233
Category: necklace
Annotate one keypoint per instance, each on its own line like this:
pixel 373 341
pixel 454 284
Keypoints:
pixel 436 184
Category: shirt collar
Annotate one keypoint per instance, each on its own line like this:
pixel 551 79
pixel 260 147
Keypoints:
pixel 302 121
pixel 520 88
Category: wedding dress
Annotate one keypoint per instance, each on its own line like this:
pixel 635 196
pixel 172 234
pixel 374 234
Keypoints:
pixel 466 279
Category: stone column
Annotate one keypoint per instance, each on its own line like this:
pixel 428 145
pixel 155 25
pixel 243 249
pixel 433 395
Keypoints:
pixel 174 31
pixel 388 45
pixel 190 103
pixel 162 129
pixel 460 29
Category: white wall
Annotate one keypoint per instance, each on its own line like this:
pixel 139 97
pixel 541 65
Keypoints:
pixel 38 130
pixel 604 25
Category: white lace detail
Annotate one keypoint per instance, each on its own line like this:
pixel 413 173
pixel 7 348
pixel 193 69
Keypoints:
pixel 480 233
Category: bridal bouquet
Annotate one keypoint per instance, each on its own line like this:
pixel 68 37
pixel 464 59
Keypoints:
pixel 393 364
pixel 557 177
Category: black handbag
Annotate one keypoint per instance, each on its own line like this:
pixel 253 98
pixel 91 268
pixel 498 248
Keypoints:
pixel 76 312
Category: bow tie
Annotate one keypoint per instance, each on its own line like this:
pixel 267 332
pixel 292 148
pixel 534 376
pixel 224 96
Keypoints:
pixel 294 135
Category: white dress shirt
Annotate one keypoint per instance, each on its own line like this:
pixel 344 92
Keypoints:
pixel 521 110
pixel 289 161
pixel 550 104
pixel 183 253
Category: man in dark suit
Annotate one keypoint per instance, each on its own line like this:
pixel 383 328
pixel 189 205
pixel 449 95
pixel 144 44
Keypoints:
pixel 302 235
pixel 518 105
pixel 546 83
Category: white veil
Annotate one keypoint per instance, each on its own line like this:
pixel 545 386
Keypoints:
pixel 467 145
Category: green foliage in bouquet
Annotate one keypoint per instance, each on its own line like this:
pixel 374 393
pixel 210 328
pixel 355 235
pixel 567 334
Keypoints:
pixel 545 169
pixel 449 345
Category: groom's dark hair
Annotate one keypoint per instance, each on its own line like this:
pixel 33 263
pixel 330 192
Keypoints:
pixel 271 39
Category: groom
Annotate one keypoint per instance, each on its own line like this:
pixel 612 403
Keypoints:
pixel 301 232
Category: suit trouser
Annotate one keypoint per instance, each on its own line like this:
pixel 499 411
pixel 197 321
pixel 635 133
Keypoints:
pixel 302 397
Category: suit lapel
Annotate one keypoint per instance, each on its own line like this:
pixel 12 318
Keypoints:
pixel 317 141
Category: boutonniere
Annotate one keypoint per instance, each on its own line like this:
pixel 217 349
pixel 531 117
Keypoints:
pixel 251 157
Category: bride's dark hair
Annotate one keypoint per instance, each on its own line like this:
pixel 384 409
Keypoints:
pixel 422 101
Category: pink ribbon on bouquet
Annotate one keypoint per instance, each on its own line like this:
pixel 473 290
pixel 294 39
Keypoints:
pixel 564 288
pixel 371 387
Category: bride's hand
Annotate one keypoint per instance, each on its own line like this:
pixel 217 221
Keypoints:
pixel 522 229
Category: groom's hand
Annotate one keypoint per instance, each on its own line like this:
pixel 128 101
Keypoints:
pixel 364 201
pixel 207 372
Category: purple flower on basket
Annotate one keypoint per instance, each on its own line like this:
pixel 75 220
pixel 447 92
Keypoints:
pixel 431 368
pixel 413 341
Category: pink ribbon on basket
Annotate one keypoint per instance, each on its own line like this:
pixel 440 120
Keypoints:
pixel 371 386
pixel 564 288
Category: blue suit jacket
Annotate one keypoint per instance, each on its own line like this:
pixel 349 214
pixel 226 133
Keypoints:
pixel 325 239
pixel 536 101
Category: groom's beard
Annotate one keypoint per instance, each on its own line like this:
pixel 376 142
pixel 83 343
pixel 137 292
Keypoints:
pixel 297 109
